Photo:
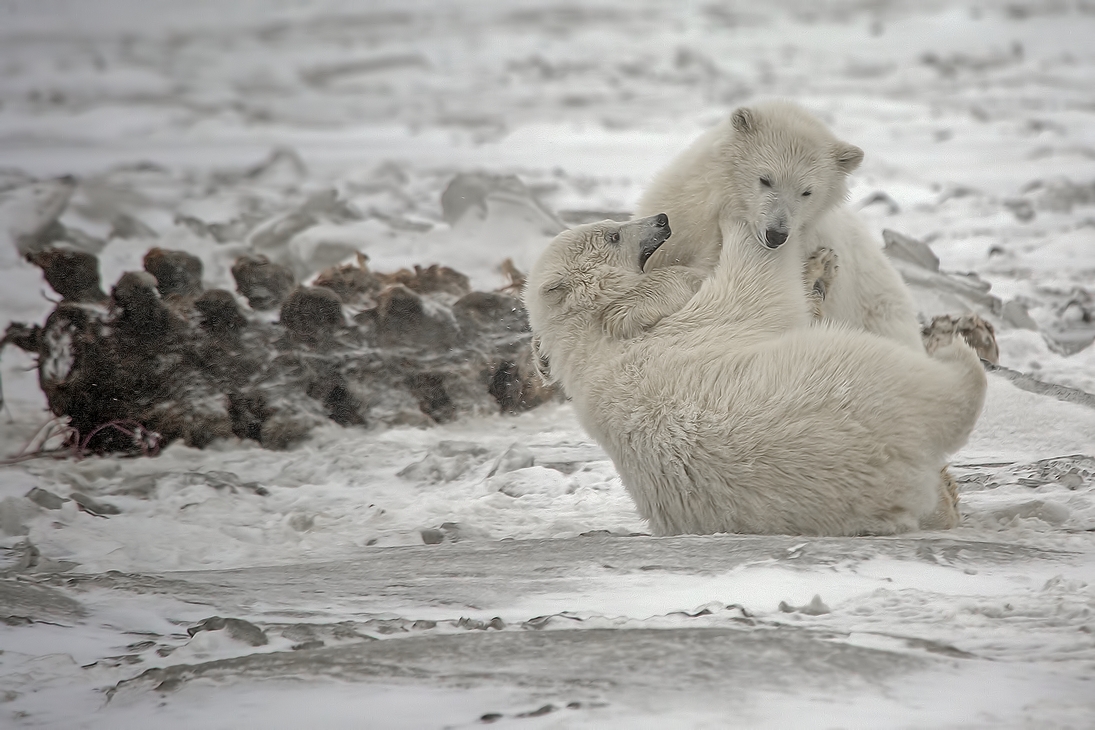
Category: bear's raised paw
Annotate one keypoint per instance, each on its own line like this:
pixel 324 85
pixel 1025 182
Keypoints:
pixel 818 274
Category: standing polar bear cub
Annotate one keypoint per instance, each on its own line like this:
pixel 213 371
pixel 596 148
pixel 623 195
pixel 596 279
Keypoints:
pixel 779 171
pixel 734 414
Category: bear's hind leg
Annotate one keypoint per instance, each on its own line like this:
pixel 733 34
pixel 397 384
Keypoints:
pixel 945 516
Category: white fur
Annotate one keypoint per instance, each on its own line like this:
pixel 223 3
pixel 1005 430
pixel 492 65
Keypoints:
pixel 783 144
pixel 734 414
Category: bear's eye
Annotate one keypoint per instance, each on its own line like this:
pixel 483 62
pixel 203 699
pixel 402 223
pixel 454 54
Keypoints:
pixel 612 237
pixel 766 182
pixel 807 193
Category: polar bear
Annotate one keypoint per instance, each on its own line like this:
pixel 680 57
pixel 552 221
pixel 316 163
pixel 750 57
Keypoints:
pixel 735 413
pixel 779 170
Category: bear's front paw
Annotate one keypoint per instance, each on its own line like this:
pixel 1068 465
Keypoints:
pixel 621 322
pixel 818 274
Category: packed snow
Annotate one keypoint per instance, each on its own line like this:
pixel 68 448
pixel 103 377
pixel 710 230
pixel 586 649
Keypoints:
pixel 493 570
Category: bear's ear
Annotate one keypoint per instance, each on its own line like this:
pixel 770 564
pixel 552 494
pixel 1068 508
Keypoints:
pixel 847 156
pixel 744 120
pixel 554 292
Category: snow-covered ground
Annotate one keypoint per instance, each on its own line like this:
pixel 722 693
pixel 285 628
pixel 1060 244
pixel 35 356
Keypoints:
pixel 488 570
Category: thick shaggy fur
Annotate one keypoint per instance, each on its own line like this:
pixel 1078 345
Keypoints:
pixel 734 414
pixel 780 172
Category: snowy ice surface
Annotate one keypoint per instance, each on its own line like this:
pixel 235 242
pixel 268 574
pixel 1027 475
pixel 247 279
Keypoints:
pixel 487 570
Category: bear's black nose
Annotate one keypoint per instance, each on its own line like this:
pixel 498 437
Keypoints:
pixel 661 220
pixel 774 238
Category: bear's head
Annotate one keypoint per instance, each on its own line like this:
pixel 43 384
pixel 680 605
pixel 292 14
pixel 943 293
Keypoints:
pixel 580 273
pixel 785 167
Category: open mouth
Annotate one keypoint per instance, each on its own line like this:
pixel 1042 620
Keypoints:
pixel 653 240
pixel 647 250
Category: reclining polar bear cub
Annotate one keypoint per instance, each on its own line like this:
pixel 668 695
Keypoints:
pixel 778 169
pixel 734 414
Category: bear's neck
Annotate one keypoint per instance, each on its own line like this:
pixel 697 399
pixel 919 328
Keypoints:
pixel 756 291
